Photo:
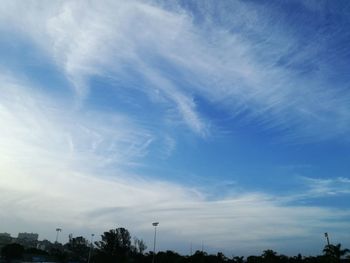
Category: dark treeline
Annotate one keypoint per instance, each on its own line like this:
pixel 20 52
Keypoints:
pixel 117 246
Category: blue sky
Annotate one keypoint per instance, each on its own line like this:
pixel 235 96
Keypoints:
pixel 226 121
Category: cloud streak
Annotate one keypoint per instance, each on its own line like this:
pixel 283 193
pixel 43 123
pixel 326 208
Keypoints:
pixel 180 58
pixel 54 173
pixel 327 187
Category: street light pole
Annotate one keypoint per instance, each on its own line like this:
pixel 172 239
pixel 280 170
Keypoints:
pixel 57 230
pixel 91 246
pixel 327 238
pixel 155 224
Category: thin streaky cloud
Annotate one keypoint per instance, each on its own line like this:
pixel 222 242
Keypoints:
pixel 328 187
pixel 236 78
pixel 86 200
pixel 29 115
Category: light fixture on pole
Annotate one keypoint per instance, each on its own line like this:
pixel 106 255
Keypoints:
pixel 327 238
pixel 155 224
pixel 91 247
pixel 57 230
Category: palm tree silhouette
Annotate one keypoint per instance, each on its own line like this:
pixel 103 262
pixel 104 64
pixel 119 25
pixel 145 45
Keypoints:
pixel 335 252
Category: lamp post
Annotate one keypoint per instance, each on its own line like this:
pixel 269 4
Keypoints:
pixel 58 230
pixel 91 246
pixel 155 224
pixel 327 238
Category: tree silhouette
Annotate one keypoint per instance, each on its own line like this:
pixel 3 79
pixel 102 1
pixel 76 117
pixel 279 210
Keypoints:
pixel 115 245
pixel 221 257
pixel 169 257
pixel 79 248
pixel 270 256
pixel 139 246
pixel 237 259
pixel 334 252
pixel 254 259
pixel 12 251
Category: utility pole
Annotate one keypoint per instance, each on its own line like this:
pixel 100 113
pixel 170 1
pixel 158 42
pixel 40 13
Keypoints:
pixel 155 224
pixel 327 238
pixel 57 230
pixel 91 247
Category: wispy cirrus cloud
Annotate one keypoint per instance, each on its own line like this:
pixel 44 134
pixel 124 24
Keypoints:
pixel 247 63
pixel 28 115
pixel 319 187
pixel 54 173
pixel 311 190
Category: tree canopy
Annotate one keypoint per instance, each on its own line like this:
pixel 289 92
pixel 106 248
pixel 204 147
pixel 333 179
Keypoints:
pixel 116 246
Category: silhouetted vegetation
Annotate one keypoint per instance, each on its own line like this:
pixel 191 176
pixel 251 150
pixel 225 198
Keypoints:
pixel 116 246
pixel 334 253
pixel 12 251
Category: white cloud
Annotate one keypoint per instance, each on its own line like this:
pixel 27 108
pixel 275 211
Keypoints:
pixel 180 59
pixel 43 133
pixel 320 187
pixel 53 173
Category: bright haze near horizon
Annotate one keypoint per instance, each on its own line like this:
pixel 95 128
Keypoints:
pixel 226 121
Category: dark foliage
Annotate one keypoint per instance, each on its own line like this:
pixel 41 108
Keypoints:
pixel 78 249
pixel 35 251
pixel 116 247
pixel 12 251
